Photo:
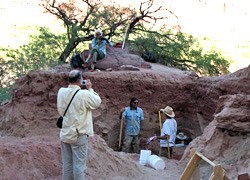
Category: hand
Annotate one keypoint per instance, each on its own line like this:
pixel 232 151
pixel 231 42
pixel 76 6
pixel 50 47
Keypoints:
pixel 122 110
pixel 155 137
pixel 88 84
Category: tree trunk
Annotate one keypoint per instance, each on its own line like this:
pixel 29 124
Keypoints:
pixel 69 48
pixel 129 29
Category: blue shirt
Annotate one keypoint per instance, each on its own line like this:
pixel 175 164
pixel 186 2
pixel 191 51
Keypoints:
pixel 133 120
pixel 102 46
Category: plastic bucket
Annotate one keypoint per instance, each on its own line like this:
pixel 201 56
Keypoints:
pixel 144 154
pixel 156 162
pixel 179 145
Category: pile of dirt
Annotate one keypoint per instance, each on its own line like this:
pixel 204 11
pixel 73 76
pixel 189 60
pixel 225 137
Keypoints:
pixel 38 157
pixel 30 139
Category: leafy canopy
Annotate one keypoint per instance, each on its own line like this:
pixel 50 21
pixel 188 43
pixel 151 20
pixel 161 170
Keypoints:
pixel 40 53
pixel 168 47
pixel 179 50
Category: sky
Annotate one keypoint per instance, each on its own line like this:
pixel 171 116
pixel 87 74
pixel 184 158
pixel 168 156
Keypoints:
pixel 216 18
pixel 225 21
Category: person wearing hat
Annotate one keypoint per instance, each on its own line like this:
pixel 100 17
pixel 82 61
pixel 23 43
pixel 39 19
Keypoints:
pixel 133 116
pixel 168 132
pixel 181 137
pixel 98 49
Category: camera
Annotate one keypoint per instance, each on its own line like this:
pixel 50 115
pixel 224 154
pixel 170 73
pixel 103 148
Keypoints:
pixel 84 82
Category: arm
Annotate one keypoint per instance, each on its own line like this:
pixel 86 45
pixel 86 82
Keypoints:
pixel 166 137
pixel 93 43
pixel 121 112
pixel 107 41
pixel 166 131
pixel 93 99
pixel 142 118
pixel 101 45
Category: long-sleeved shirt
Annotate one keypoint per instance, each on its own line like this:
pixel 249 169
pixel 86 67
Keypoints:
pixel 101 46
pixel 79 114
pixel 133 118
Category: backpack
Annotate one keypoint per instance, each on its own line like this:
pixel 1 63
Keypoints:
pixel 76 61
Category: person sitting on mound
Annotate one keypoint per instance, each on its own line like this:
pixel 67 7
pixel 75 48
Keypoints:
pixel 98 49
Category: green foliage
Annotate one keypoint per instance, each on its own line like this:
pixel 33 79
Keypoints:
pixel 81 18
pixel 172 49
pixel 180 50
pixel 211 63
pixel 41 52
pixel 5 93
pixel 6 80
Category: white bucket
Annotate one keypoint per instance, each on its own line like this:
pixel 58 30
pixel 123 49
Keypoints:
pixel 156 162
pixel 179 145
pixel 144 154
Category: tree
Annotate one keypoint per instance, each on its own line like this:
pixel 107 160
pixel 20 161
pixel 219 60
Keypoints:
pixel 74 19
pixel 179 50
pixel 113 20
pixel 41 52
pixel 147 13
pixel 82 19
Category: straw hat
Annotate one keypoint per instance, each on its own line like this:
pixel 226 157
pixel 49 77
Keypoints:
pixel 168 111
pixel 181 136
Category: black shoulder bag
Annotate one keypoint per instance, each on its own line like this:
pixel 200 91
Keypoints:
pixel 60 119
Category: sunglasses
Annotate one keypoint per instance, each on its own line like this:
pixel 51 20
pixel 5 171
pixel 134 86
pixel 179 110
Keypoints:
pixel 136 102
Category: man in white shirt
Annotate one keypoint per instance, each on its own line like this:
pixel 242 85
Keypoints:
pixel 77 124
pixel 168 133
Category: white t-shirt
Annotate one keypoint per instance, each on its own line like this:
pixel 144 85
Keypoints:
pixel 169 128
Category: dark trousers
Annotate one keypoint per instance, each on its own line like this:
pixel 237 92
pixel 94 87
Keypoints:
pixel 164 151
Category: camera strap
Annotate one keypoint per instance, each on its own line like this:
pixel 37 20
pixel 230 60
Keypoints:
pixel 70 102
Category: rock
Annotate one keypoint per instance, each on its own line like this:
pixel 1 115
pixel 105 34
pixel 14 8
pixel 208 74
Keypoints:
pixel 244 176
pixel 128 68
pixel 233 113
pixel 192 74
pixel 109 69
pixel 226 139
pixel 117 57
